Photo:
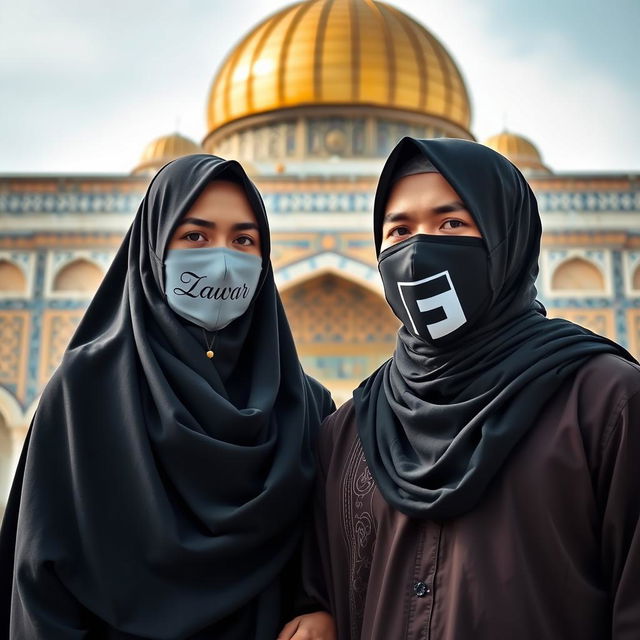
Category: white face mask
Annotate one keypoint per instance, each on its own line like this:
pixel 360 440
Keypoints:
pixel 211 287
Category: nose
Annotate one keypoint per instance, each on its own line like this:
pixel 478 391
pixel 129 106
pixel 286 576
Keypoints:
pixel 219 241
pixel 424 227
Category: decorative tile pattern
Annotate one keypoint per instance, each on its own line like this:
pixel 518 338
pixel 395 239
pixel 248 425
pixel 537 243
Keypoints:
pixel 291 247
pixel 616 266
pixel 305 202
pixel 322 202
pixel 22 259
pixel 600 321
pixel 360 247
pixel 595 201
pixel 329 261
pixel 630 270
pixel 598 256
pixel 84 241
pixel 88 203
pixel 328 369
pixel 342 330
pixel 14 350
pixel 330 309
pixel 57 328
pixel 633 329
pixel 582 238
pixel 60 258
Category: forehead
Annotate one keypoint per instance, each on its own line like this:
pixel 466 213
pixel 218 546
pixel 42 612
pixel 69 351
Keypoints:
pixel 222 198
pixel 420 190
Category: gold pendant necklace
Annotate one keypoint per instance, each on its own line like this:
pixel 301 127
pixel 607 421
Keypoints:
pixel 210 352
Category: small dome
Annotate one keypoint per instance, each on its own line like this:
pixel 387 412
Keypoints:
pixel 522 152
pixel 164 149
pixel 338 52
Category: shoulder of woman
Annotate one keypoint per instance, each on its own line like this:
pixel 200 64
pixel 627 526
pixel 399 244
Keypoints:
pixel 322 396
pixel 81 373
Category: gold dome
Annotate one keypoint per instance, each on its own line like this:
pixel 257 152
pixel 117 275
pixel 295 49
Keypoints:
pixel 522 152
pixel 354 52
pixel 164 149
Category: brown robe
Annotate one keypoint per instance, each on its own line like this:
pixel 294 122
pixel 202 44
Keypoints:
pixel 551 552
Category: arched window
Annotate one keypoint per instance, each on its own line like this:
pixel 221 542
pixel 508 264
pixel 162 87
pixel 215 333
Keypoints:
pixel 12 278
pixel 577 274
pixel 342 330
pixel 78 276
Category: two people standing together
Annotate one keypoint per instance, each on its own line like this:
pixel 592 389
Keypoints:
pixel 480 484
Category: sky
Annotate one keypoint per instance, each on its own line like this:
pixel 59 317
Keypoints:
pixel 85 85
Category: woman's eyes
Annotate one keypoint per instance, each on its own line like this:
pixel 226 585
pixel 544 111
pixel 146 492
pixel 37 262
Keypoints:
pixel 201 238
pixel 245 241
pixel 194 236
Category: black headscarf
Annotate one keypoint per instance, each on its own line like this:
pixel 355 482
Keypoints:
pixel 437 422
pixel 149 502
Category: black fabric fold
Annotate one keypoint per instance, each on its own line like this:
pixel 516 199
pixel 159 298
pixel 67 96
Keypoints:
pixel 438 421
pixel 159 501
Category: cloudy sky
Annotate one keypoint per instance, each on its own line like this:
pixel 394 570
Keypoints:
pixel 84 85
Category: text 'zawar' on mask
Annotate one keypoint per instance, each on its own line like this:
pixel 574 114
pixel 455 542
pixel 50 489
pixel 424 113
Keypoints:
pixel 211 287
pixel 436 285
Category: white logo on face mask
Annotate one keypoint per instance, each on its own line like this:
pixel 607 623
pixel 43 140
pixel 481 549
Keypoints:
pixel 446 301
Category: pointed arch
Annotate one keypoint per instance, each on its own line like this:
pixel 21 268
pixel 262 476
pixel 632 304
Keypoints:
pixel 12 278
pixel 80 275
pixel 343 329
pixel 329 262
pixel 577 274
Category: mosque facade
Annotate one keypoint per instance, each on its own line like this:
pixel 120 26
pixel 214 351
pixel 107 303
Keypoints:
pixel 311 101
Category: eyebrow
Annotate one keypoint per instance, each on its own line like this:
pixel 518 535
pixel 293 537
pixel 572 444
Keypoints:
pixel 245 226
pixel 207 224
pixel 456 205
pixel 400 216
pixel 395 217
pixel 198 222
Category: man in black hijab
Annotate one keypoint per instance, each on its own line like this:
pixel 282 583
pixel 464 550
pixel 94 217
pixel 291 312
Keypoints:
pixel 482 483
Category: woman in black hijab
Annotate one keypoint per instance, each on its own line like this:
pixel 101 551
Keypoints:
pixel 160 491
pixel 483 481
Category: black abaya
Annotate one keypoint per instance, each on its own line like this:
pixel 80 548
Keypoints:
pixel 160 493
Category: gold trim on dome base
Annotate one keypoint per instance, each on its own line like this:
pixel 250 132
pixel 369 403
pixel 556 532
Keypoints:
pixel 286 132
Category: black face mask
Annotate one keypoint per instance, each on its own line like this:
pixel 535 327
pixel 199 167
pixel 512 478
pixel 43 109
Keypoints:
pixel 437 286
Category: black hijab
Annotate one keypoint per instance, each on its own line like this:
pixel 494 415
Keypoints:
pixel 437 422
pixel 148 502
